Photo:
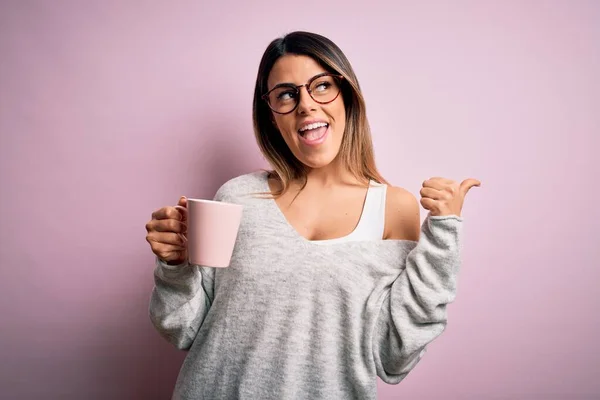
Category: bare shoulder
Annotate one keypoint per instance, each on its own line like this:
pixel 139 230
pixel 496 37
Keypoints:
pixel 402 215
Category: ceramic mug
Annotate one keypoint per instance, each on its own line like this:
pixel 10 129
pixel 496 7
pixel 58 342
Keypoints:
pixel 212 228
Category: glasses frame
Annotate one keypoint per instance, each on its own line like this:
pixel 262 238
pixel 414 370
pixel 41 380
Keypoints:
pixel 296 88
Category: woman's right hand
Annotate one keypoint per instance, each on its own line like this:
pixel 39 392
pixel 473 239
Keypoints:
pixel 167 233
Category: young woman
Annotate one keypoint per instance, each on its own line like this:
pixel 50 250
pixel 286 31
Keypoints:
pixel 332 281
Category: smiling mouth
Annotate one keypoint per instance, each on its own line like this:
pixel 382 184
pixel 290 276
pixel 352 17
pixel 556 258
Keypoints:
pixel 315 135
pixel 313 131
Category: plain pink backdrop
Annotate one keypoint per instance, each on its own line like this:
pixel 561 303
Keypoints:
pixel 112 109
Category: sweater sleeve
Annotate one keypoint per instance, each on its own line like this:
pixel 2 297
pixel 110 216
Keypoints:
pixel 180 300
pixel 413 312
pixel 182 295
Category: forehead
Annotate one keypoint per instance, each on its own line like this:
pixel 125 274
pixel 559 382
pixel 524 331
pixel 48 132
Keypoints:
pixel 292 68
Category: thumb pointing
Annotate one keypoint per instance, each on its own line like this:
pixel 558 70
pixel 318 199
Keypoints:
pixel 467 184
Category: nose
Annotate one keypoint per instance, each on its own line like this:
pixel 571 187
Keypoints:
pixel 306 103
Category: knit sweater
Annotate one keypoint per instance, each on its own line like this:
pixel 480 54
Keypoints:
pixel 290 319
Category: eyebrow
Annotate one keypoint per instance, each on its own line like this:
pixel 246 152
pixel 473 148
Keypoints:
pixel 293 84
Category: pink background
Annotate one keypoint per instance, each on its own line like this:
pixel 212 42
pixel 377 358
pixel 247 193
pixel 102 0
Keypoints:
pixel 112 109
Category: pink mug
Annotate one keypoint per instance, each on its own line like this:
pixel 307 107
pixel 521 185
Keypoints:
pixel 212 228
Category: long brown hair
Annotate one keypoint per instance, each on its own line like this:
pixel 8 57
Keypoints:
pixel 356 150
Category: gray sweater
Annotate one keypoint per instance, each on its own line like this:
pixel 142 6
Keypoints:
pixel 291 319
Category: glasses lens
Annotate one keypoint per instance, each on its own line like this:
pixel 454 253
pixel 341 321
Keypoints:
pixel 283 99
pixel 324 89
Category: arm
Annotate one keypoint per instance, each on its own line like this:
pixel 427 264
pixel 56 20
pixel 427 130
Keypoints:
pixel 180 300
pixel 413 312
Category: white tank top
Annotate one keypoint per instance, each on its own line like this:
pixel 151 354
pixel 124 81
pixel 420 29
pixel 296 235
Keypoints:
pixel 372 219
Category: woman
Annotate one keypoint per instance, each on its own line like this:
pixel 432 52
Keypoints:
pixel 331 282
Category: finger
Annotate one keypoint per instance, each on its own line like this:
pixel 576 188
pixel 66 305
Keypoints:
pixel 167 213
pixel 158 239
pixel 467 184
pixel 183 211
pixel 429 204
pixel 435 183
pixel 433 193
pixel 169 253
pixel 166 225
pixel 182 201
pixel 441 179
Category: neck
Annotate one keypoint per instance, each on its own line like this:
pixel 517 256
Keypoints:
pixel 334 174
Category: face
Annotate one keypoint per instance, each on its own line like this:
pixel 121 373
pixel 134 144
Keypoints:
pixel 313 131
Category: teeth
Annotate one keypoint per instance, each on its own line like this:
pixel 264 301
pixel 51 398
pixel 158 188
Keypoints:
pixel 312 126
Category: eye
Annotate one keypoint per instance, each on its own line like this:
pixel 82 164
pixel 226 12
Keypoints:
pixel 321 86
pixel 286 95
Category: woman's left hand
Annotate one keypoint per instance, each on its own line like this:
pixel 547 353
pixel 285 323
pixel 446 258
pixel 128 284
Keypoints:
pixel 444 196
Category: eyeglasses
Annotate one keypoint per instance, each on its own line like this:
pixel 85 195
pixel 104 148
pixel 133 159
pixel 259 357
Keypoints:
pixel 323 88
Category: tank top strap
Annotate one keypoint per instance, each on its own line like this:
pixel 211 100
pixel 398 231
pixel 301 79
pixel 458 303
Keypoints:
pixel 372 219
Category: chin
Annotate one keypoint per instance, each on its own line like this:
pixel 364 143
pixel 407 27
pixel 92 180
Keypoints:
pixel 317 156
pixel 318 161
